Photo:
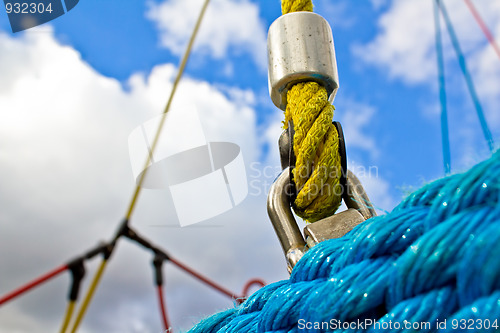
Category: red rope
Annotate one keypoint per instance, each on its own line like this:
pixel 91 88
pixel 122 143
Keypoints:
pixel 247 287
pixel 250 283
pixel 32 284
pixel 203 279
pixel 483 26
pixel 163 310
pixel 161 299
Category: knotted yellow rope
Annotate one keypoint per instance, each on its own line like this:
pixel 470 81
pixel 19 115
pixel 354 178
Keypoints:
pixel 315 143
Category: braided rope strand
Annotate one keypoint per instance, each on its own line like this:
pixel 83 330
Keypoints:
pixel 290 6
pixel 316 142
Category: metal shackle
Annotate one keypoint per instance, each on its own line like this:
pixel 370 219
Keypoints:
pixel 291 239
pixel 300 48
pixel 285 226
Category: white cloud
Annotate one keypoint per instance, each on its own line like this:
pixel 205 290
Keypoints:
pixel 376 187
pixel 405 43
pixel 404 48
pixel 66 181
pixel 229 26
pixel 355 118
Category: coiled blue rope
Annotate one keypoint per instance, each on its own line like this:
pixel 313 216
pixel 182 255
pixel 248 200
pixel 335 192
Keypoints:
pixel 434 259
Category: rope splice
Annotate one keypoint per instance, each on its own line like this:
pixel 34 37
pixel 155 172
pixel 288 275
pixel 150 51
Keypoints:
pixel 302 78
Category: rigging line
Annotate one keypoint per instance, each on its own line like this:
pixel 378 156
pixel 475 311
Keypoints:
pixel 470 84
pixel 137 190
pixel 89 295
pixel 246 289
pixel 33 284
pixel 203 279
pixel 167 108
pixel 445 139
pixel 67 317
pixel 483 27
pixel 158 260
pixel 106 249
pixel 163 310
pixel 161 256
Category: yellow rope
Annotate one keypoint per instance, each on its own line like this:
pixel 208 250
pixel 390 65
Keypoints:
pixel 290 6
pixel 315 143
pixel 67 316
pixel 156 139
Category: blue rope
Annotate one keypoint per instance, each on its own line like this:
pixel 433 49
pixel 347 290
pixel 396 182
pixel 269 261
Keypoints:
pixel 429 307
pixel 468 78
pixel 434 259
pixel 442 92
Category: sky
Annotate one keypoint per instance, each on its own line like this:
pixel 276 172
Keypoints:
pixel 72 91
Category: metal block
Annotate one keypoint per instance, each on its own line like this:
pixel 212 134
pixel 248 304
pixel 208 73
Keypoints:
pixel 334 226
pixel 300 48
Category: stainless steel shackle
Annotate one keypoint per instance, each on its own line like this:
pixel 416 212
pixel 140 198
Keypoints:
pixel 291 239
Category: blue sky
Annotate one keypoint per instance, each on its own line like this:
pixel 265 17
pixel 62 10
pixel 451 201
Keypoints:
pixel 118 41
pixel 72 90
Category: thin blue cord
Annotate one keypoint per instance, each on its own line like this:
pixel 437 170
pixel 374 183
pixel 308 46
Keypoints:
pixel 468 78
pixel 442 92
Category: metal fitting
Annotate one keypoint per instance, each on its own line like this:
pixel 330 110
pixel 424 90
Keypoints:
pixel 300 48
pixel 288 232
pixel 355 197
pixel 334 226
pixel 280 213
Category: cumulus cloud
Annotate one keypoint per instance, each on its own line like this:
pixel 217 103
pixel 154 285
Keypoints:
pixel 402 51
pixel 355 118
pixel 229 27
pixel 66 181
pixel 404 48
pixel 405 44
